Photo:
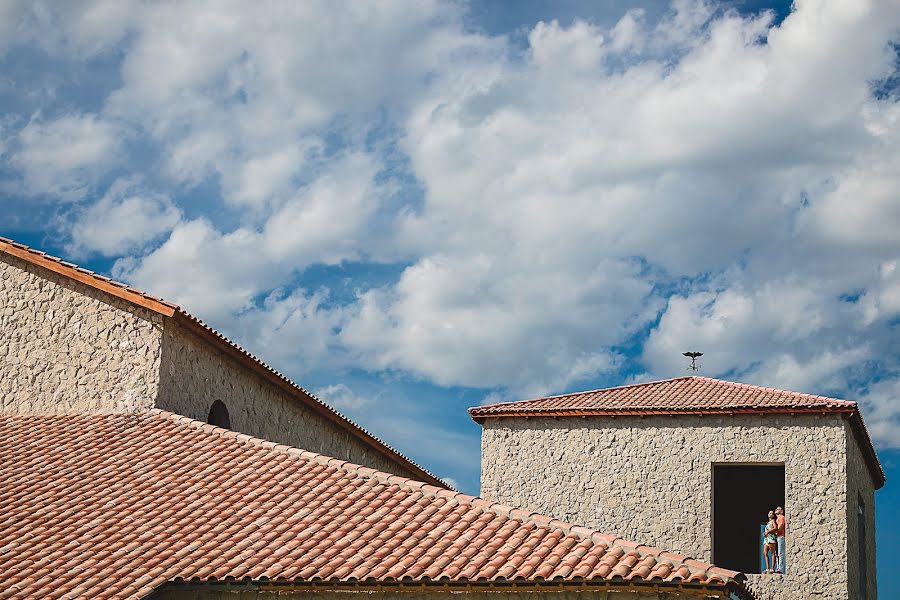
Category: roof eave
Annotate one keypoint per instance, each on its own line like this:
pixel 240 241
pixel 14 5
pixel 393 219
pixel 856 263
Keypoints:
pixel 88 278
pixel 741 592
pixel 480 417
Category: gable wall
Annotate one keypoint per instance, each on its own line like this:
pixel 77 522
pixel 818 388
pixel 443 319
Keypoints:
pixel 65 346
pixel 194 374
pixel 859 486
pixel 650 480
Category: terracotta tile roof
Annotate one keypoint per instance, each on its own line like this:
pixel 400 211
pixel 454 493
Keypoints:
pixel 185 319
pixel 116 505
pixel 685 395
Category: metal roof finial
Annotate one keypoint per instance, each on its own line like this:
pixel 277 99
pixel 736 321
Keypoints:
pixel 693 356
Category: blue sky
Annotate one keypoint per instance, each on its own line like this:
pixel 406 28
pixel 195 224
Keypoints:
pixel 413 209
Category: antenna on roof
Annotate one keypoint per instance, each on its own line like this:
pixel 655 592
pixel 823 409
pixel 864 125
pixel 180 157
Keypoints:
pixel 693 356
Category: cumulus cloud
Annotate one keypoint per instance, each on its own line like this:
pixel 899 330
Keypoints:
pixel 124 220
pixel 454 484
pixel 214 274
pixel 244 97
pixel 588 206
pixel 10 14
pixel 567 195
pixel 568 189
pixel 341 397
pixel 220 273
pixel 882 411
pixel 77 29
pixel 478 320
pixel 297 330
pixel 64 156
pixel 325 222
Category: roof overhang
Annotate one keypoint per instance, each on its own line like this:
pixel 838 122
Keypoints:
pixel 734 589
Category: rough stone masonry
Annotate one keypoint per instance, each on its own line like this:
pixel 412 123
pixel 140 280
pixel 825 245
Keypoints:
pixel 66 347
pixel 650 479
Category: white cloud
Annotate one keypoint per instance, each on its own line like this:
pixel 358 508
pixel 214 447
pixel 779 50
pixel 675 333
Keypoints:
pixel 882 408
pixel 859 211
pixel 341 397
pixel 544 177
pixel 881 300
pixel 242 96
pixel 219 273
pixel 264 178
pixel 296 329
pixel 722 183
pixel 561 190
pixel 451 482
pixel 578 47
pixel 65 156
pixel 74 29
pixel 10 13
pixel 473 320
pixel 212 274
pixel 737 328
pixel 628 33
pixel 122 221
pixel 326 222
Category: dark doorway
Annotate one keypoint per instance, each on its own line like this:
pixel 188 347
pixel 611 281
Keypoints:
pixel 742 495
pixel 218 415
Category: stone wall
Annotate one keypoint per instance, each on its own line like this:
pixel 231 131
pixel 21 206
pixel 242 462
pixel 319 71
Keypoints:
pixel 194 374
pixel 201 594
pixel 650 480
pixel 66 346
pixel 859 488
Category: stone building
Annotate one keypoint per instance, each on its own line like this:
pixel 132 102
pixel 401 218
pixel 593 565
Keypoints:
pixel 74 341
pixel 142 455
pixel 694 464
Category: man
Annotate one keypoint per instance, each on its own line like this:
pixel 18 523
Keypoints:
pixel 782 522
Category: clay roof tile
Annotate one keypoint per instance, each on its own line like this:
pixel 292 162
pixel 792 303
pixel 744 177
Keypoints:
pixel 153 508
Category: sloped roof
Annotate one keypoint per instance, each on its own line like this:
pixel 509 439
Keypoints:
pixel 682 394
pixel 117 505
pixel 686 395
pixel 197 326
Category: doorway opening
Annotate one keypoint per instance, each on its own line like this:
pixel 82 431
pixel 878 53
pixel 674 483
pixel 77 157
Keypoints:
pixel 742 496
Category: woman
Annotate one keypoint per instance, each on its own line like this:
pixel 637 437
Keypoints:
pixel 770 543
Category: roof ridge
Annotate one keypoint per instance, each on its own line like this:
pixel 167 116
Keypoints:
pixel 150 302
pixel 607 389
pixel 503 510
pixel 742 385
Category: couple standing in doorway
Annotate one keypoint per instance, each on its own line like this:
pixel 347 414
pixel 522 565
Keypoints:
pixel 773 541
